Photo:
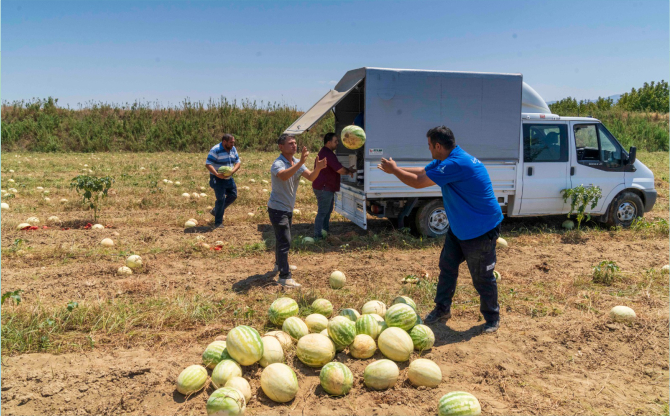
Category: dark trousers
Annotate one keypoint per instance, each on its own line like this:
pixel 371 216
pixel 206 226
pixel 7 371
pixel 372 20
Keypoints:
pixel 225 191
pixel 480 255
pixel 281 222
pixel 325 201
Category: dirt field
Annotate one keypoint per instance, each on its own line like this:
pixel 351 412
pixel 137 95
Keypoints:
pixel 84 340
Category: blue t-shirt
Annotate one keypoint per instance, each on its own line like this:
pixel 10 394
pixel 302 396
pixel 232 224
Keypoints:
pixel 469 201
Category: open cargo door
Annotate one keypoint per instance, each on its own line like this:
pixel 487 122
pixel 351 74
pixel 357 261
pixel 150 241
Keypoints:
pixel 350 203
pixel 350 80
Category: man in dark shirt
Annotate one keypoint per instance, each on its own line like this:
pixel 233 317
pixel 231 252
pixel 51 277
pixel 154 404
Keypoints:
pixel 327 183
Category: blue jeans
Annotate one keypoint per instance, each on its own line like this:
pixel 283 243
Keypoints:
pixel 480 255
pixel 281 222
pixel 325 201
pixel 225 191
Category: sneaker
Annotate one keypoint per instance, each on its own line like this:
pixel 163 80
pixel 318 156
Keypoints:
pixel 289 283
pixel 491 327
pixel 215 226
pixel 437 314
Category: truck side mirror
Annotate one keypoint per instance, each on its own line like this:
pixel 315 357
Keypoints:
pixel 632 155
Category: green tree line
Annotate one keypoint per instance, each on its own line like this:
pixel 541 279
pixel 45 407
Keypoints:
pixel 41 125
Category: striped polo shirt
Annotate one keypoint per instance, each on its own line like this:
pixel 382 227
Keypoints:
pixel 219 156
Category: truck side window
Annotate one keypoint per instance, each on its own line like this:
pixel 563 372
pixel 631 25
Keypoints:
pixel 595 144
pixel 545 143
pixel 610 150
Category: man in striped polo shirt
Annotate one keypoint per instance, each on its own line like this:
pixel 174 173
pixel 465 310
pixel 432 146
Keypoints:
pixel 223 154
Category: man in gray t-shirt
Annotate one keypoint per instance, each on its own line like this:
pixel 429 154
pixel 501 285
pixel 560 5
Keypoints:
pixel 286 172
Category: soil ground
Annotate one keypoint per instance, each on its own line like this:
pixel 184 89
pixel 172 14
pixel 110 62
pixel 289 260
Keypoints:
pixel 119 349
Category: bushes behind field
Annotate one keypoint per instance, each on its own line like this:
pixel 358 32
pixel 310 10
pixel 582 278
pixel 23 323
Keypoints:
pixel 43 126
pixel 40 125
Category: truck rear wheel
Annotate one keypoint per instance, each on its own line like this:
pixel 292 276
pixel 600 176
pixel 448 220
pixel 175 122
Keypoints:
pixel 624 209
pixel 431 219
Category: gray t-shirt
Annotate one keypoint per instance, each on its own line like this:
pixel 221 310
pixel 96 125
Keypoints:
pixel 283 193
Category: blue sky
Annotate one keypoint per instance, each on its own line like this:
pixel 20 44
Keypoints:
pixel 293 52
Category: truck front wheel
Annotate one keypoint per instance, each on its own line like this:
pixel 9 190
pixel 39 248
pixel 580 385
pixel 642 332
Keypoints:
pixel 431 219
pixel 624 209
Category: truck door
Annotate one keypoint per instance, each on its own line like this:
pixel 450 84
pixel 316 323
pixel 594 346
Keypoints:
pixel 597 159
pixel 545 168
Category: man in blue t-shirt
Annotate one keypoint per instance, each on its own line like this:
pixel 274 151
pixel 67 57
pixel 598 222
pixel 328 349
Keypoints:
pixel 474 222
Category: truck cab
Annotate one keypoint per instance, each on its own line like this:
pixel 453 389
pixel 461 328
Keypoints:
pixel 531 155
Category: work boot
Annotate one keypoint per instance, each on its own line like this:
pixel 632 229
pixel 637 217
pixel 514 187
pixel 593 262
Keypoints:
pixel 491 327
pixel 289 283
pixel 439 313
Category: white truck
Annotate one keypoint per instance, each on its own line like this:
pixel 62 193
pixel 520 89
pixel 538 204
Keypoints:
pixel 530 154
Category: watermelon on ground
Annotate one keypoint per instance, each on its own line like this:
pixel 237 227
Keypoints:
pixel 315 350
pixel 402 316
pixel 244 345
pixel 192 379
pixel 214 353
pixel 295 327
pixel 281 309
pixel 336 379
pixel 422 337
pixel 459 403
pixel 226 401
pixel 341 330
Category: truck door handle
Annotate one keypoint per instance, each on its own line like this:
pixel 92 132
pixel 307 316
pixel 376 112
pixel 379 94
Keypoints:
pixel 572 171
pixel 530 171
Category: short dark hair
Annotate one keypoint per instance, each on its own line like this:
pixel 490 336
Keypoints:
pixel 328 137
pixel 226 137
pixel 282 139
pixel 442 135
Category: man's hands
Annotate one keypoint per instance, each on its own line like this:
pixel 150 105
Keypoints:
pixel 320 163
pixel 304 155
pixel 352 170
pixel 388 166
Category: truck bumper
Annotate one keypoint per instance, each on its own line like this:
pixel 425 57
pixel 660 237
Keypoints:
pixel 649 199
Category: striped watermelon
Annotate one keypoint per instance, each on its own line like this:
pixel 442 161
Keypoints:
pixel 342 331
pixel 279 382
pixel 422 337
pixel 338 347
pixel 374 306
pixel 224 371
pixel 315 350
pixel 350 313
pixel 281 309
pixel 459 403
pixel 295 327
pixel 272 351
pixel 242 385
pixel 381 375
pixel 369 325
pixel 363 347
pixel 419 321
pixel 226 401
pixel 316 322
pixel 336 379
pixel 284 339
pixel 215 352
pixel 244 345
pixel 423 372
pixel 402 316
pixel 191 379
pixel 406 300
pixel 323 307
pixel 395 344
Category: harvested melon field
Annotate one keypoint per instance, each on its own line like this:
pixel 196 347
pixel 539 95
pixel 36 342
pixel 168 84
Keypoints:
pixel 79 338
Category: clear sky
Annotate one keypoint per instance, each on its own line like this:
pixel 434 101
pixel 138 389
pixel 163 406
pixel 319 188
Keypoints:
pixel 293 52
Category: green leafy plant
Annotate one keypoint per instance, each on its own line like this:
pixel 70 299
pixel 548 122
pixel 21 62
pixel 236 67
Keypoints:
pixel 580 198
pixel 93 189
pixel 605 272
pixel 15 296
pixel 71 305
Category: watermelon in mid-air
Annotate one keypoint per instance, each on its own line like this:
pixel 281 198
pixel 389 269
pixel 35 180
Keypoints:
pixel 353 137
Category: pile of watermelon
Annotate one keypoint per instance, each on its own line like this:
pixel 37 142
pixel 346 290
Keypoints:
pixel 397 331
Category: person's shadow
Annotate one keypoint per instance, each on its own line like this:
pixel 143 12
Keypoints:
pixel 197 230
pixel 257 280
pixel 444 335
